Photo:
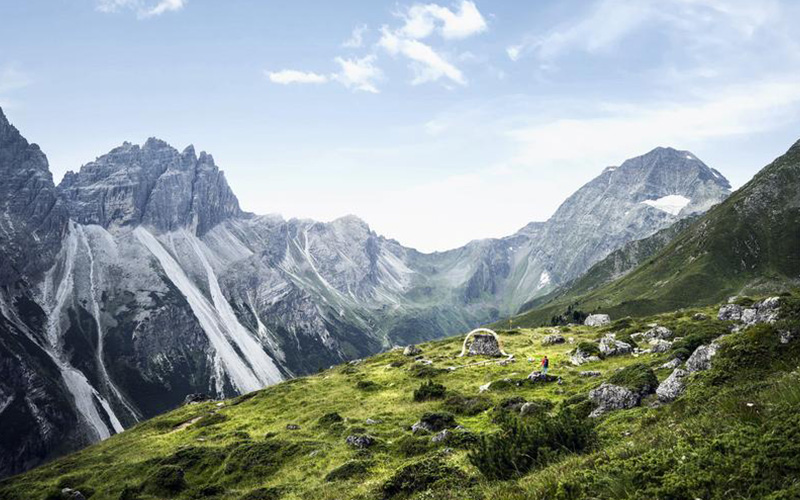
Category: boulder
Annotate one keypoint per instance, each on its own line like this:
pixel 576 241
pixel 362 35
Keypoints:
pixel 610 346
pixel 766 311
pixel 553 339
pixel 609 397
pixel 597 320
pixel 412 350
pixel 70 494
pixel 537 376
pixel 657 332
pixel 730 312
pixel 786 336
pixel 671 364
pixel 700 317
pixel 659 346
pixel 701 357
pixel 673 386
pixel 197 397
pixel 434 422
pixel 484 344
pixel 579 357
pixel 360 441
pixel 590 373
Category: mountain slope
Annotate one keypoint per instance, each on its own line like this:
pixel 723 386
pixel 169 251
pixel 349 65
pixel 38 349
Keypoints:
pixel 750 242
pixel 305 438
pixel 139 280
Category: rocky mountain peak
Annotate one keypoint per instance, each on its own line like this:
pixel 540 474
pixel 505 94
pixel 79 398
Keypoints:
pixel 152 184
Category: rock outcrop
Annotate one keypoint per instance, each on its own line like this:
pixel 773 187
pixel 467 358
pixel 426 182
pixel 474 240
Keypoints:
pixel 609 397
pixel 610 346
pixel 701 357
pixel 673 386
pixel 597 320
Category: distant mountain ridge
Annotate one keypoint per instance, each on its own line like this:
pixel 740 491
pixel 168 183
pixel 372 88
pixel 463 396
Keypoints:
pixel 750 243
pixel 139 280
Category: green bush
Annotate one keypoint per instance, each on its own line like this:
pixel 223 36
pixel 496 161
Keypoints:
pixel 588 348
pixel 420 370
pixel 429 390
pixel 638 378
pixel 420 476
pixel 349 470
pixel 438 421
pixel 367 385
pixel 467 405
pixel 412 446
pixel 166 480
pixel 329 419
pixel 524 445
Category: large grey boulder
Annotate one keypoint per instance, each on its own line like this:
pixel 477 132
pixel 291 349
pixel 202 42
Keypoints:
pixel 766 311
pixel 673 386
pixel 701 358
pixel 597 320
pixel 553 339
pixel 484 345
pixel 412 350
pixel 610 346
pixel 610 397
pixel 657 332
pixel 659 346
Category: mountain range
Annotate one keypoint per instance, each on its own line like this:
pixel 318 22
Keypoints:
pixel 139 279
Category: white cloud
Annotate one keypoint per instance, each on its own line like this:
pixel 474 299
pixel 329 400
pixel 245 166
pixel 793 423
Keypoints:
pixel 356 39
pixel 622 129
pixel 427 64
pixel 288 76
pixel 422 20
pixel 143 8
pixel 359 74
pixel 608 22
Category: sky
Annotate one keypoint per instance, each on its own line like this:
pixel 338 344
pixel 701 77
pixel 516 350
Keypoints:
pixel 437 123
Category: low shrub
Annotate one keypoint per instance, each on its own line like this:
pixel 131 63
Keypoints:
pixel 420 370
pixel 262 494
pixel 210 419
pixel 588 348
pixel 166 480
pixel 420 476
pixel 638 378
pixel 349 470
pixel 329 418
pixel 524 445
pixel 367 385
pixel 467 405
pixel 428 391
pixel 412 446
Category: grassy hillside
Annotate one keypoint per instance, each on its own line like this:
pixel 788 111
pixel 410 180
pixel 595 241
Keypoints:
pixel 736 429
pixel 750 243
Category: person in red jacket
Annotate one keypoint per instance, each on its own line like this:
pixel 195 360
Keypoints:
pixel 545 365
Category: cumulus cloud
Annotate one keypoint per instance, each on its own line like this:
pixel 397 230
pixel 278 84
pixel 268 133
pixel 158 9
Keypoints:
pixel 427 64
pixel 356 39
pixel 142 8
pixel 359 74
pixel 421 20
pixel 288 76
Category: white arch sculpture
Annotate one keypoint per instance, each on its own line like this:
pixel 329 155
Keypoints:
pixel 481 330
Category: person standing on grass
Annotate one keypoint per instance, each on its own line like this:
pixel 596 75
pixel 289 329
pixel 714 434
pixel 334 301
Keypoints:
pixel 545 365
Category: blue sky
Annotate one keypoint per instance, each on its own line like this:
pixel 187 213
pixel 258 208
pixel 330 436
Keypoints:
pixel 437 123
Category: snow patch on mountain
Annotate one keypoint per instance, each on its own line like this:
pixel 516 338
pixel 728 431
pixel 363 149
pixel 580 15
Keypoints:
pixel 672 204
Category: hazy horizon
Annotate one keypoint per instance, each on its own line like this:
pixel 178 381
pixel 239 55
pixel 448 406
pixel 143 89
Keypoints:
pixel 437 123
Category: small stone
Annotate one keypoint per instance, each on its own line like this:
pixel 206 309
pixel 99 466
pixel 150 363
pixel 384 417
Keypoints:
pixel 671 364
pixel 292 427
pixel 70 494
pixel 786 336
pixel 371 421
pixel 700 317
pixel 553 339
pixel 590 373
pixel 360 441
pixel 197 397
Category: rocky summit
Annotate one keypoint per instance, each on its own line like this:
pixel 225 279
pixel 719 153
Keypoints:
pixel 138 280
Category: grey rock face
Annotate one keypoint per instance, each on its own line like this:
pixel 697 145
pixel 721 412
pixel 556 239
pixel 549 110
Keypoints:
pixel 673 386
pixel 484 345
pixel 701 358
pixel 597 320
pixel 610 397
pixel 730 312
pixel 153 184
